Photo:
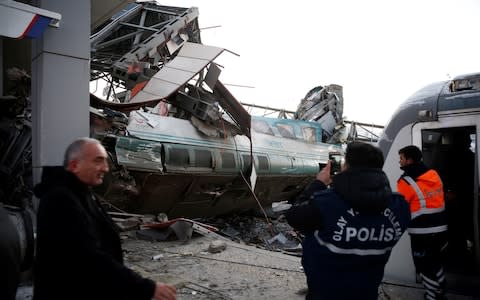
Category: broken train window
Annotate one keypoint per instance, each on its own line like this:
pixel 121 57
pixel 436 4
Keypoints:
pixel 286 130
pixel 309 134
pixel 262 127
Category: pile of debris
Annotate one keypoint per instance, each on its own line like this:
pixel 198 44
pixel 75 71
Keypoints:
pixel 16 140
pixel 273 234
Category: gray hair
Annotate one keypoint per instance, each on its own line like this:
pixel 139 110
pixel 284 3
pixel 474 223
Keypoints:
pixel 74 150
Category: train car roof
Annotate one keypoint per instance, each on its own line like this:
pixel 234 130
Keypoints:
pixel 461 93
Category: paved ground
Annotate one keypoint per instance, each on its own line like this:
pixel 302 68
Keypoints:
pixel 238 272
pixel 397 292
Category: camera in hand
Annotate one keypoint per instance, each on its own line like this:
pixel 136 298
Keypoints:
pixel 335 162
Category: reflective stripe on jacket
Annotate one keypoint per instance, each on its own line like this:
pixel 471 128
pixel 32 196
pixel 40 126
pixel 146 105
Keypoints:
pixel 425 197
pixel 350 247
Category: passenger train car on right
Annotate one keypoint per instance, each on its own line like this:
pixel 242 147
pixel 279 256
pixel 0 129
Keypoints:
pixel 443 120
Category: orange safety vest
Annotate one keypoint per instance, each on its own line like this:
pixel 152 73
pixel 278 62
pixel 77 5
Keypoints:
pixel 425 196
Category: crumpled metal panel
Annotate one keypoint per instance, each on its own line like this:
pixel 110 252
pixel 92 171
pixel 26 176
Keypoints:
pixel 193 58
pixel 139 154
pixel 234 108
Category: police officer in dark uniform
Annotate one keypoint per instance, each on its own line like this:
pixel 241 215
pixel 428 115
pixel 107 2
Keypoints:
pixel 350 228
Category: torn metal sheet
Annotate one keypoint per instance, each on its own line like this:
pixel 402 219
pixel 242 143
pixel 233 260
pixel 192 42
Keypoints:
pixel 325 106
pixel 192 59
pixel 136 154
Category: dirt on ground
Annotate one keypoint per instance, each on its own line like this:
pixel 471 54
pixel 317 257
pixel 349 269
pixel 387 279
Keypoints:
pixel 256 260
pixel 248 258
pixel 237 272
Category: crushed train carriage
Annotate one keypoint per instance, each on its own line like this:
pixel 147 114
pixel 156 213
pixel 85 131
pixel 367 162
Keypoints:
pixel 180 142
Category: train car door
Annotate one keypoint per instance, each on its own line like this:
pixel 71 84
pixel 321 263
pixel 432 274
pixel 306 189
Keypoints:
pixel 450 146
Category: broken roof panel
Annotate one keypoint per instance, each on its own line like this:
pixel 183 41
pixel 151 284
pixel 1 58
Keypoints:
pixel 150 53
pixel 192 59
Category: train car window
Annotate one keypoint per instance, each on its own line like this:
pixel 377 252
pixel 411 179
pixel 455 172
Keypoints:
pixel 465 84
pixel 203 158
pixel 286 130
pixel 262 127
pixel 473 138
pixel 262 162
pixel 178 157
pixel 309 134
pixel 246 162
pixel 228 160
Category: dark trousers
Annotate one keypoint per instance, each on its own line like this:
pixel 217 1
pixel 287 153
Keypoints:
pixel 427 254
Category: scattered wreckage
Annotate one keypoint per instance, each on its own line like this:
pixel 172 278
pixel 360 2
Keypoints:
pixel 180 142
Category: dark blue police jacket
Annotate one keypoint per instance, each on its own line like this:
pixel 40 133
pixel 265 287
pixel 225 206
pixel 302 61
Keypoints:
pixel 350 248
pixel 345 249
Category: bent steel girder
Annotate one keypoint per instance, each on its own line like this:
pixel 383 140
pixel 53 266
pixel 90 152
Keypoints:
pixel 144 33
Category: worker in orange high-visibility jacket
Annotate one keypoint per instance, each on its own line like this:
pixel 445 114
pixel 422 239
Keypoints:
pixel 423 190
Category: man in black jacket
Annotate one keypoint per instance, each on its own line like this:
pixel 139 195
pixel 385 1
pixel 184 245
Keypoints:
pixel 10 256
pixel 350 228
pixel 78 254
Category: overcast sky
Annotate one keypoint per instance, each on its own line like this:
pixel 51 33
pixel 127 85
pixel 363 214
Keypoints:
pixel 380 51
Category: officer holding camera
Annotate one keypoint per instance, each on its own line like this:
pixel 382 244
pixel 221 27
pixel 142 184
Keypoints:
pixel 351 221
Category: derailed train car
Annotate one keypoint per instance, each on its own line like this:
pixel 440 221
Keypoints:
pixel 173 168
